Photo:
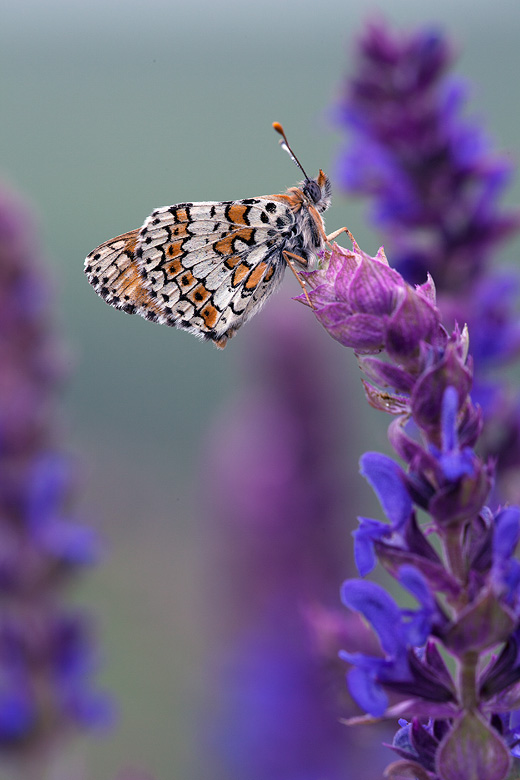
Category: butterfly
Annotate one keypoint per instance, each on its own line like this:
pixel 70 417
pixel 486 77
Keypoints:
pixel 209 267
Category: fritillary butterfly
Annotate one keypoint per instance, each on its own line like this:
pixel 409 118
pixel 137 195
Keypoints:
pixel 208 267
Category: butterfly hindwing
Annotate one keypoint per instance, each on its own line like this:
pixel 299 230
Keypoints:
pixel 112 270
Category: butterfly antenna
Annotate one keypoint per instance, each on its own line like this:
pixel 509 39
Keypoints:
pixel 285 145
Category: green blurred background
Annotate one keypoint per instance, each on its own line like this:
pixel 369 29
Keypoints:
pixel 111 108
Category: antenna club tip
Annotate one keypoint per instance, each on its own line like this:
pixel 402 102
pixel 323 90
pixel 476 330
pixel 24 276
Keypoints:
pixel 285 145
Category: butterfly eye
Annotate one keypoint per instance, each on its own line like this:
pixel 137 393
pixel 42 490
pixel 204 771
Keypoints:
pixel 313 190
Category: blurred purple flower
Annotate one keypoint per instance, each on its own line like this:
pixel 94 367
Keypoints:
pixel 47 655
pixel 435 185
pixel 277 498
pixel 437 191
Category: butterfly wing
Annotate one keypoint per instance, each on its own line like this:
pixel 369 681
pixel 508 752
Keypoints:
pixel 203 267
pixel 112 271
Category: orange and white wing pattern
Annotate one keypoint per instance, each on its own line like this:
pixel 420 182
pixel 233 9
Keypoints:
pixel 208 267
pixel 202 267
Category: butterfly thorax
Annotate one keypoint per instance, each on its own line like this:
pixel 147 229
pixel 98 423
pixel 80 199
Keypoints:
pixel 307 201
pixel 313 193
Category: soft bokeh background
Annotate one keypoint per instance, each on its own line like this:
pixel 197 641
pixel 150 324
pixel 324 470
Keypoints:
pixel 109 109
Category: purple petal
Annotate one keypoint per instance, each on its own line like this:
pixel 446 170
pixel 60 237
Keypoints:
pixel 410 450
pixel 362 332
pixel 457 463
pixel 414 581
pixel 387 479
pixel 380 610
pixel 47 488
pixel 393 558
pixel 450 407
pixel 17 715
pixel 367 692
pixel 387 374
pixel 368 531
pixel 461 500
pixel 429 389
pixel 414 320
pixel 427 290
pixel 70 543
pixel 375 288
pixel 506 534
pixel 386 402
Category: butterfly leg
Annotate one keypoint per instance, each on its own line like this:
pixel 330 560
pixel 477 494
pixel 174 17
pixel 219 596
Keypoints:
pixel 287 257
pixel 336 233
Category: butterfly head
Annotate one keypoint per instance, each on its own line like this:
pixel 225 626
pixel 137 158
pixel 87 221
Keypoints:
pixel 318 191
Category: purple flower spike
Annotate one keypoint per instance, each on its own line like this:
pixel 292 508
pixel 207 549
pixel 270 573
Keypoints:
pixel 469 591
pixel 278 525
pixel 46 654
pixel 431 174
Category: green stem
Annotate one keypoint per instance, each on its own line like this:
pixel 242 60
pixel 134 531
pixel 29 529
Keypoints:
pixel 452 542
pixel 467 665
pixel 468 681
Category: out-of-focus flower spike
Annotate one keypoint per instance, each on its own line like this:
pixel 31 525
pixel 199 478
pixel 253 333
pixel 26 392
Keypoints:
pixel 47 652
pixel 435 185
